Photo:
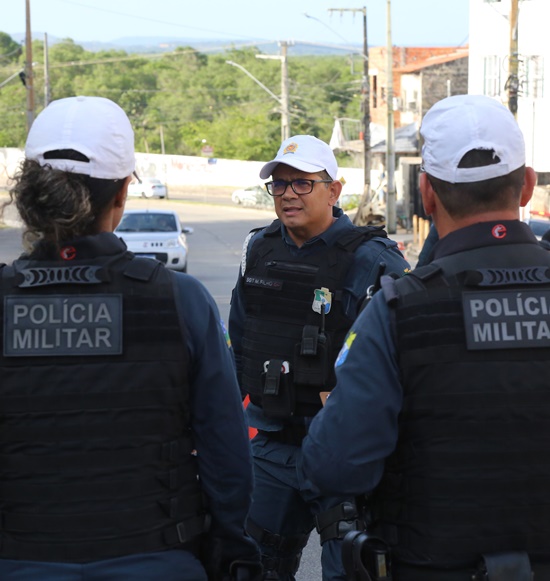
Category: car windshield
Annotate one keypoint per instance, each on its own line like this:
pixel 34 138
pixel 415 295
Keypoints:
pixel 147 223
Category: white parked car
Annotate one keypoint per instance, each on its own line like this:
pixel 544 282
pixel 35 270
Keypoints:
pixel 148 188
pixel 155 234
pixel 252 196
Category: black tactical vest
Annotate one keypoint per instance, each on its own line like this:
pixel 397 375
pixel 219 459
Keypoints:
pixel 289 349
pixel 96 455
pixel 470 474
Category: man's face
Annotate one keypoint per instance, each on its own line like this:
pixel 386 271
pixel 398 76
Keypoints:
pixel 307 215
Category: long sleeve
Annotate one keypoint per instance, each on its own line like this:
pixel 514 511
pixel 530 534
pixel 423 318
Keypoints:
pixel 219 429
pixel 351 436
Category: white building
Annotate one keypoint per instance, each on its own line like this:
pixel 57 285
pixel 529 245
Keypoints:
pixel 489 71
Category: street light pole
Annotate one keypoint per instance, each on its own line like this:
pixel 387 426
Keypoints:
pixel 365 108
pixel 391 217
pixel 366 105
pixel 512 82
pixel 28 67
pixel 233 64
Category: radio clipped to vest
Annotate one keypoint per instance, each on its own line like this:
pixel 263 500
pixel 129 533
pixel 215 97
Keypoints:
pixel 310 367
pixel 312 361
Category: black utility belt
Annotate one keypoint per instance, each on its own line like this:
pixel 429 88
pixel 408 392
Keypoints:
pixel 292 435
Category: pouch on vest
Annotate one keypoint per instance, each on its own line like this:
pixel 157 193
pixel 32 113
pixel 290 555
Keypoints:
pixel 278 399
pixel 312 364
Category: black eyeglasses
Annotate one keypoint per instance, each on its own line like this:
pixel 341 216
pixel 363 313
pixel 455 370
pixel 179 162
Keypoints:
pixel 300 187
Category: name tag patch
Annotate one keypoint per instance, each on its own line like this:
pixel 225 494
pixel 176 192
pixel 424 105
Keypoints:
pixel 62 325
pixel 269 283
pixel 507 319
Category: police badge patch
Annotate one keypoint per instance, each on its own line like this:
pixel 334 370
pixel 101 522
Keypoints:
pixel 322 298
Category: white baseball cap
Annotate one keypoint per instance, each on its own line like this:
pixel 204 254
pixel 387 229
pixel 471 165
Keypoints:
pixel 95 127
pixel 456 125
pixel 306 153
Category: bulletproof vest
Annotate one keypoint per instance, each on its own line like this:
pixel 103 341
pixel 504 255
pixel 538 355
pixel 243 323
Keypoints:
pixel 96 452
pixel 295 321
pixel 469 473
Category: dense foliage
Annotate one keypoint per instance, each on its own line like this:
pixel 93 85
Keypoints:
pixel 186 99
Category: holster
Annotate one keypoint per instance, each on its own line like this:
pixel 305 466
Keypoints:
pixel 278 398
pixel 366 557
pixel 312 365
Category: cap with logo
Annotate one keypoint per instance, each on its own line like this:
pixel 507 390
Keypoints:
pixel 95 127
pixel 305 153
pixel 456 125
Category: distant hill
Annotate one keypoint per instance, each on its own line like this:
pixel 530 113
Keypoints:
pixel 157 44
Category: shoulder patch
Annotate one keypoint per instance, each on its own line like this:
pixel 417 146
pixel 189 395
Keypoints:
pixel 342 356
pixel 225 334
pixel 244 252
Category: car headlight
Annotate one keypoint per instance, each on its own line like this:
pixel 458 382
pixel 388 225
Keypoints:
pixel 171 243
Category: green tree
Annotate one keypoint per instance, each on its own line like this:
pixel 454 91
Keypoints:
pixel 179 99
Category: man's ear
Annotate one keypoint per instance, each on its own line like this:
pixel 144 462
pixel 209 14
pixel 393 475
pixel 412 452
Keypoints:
pixel 335 188
pixel 428 194
pixel 529 183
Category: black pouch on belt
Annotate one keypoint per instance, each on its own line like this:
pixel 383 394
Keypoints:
pixel 278 399
pixel 312 358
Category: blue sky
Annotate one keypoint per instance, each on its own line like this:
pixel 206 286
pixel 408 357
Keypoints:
pixel 414 22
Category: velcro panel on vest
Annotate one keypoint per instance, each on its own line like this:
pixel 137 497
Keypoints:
pixel 97 453
pixel 278 316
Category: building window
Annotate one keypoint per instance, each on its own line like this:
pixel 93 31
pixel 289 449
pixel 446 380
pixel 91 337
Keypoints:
pixel 374 91
pixel 531 76
pixel 412 101
pixel 491 67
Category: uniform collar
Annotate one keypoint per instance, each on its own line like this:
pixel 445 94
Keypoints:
pixel 86 247
pixel 484 234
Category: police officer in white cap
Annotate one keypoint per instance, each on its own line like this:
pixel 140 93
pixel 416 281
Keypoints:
pixel 441 410
pixel 301 285
pixel 124 451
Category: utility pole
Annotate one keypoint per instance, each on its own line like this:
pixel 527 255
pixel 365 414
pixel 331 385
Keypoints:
pixel 47 93
pixel 365 108
pixel 28 67
pixel 284 100
pixel 390 141
pixel 512 84
pixel 285 118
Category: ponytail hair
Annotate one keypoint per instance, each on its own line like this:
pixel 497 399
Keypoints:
pixel 57 205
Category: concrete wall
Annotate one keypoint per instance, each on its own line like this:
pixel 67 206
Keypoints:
pixel 183 170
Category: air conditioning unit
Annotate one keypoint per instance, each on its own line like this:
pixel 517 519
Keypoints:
pixel 397 104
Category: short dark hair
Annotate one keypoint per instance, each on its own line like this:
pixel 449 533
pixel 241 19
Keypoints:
pixel 464 199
